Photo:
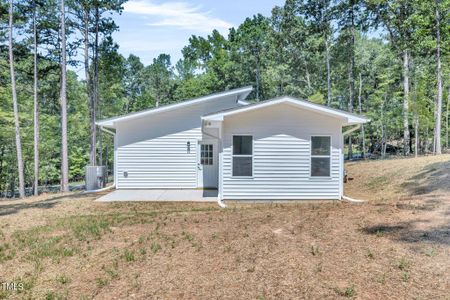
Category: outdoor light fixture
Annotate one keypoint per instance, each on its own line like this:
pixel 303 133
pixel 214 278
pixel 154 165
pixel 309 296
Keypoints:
pixel 188 147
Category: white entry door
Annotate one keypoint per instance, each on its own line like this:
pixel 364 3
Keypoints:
pixel 207 164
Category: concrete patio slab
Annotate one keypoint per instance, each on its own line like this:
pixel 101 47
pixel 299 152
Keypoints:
pixel 161 195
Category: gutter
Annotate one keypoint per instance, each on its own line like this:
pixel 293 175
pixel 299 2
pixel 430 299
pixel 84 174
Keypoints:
pixel 348 199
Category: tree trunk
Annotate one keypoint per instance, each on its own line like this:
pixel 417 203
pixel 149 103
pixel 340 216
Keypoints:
pixel 64 146
pixel 438 109
pixel 308 77
pixel 327 49
pixel 106 158
pixel 100 149
pixel 406 149
pixel 257 79
pixel 363 138
pixel 416 135
pixel 2 155
pixel 36 106
pixel 446 124
pixel 383 142
pixel 89 87
pixel 351 80
pixel 383 131
pixel 96 95
pixel 15 105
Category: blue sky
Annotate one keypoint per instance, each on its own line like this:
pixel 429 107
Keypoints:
pixel 151 27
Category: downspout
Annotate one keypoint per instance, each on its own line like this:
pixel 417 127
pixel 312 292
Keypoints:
pixel 343 196
pixel 220 201
pixel 358 126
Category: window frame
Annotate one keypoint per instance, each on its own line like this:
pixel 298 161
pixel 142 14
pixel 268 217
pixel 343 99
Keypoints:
pixel 209 158
pixel 242 155
pixel 311 156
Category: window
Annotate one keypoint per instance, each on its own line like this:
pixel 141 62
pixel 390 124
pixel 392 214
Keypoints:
pixel 206 154
pixel 242 155
pixel 320 156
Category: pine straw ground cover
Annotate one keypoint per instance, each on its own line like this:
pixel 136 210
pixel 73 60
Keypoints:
pixel 397 246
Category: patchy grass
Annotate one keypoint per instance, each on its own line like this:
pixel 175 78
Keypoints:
pixel 348 292
pixel 155 247
pixel 383 180
pixel 404 264
pixel 63 279
pixel 395 246
pixel 378 181
pixel 129 255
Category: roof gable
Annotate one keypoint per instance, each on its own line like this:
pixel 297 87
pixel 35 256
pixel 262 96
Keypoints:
pixel 348 118
pixel 240 93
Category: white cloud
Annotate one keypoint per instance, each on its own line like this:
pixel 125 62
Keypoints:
pixel 177 14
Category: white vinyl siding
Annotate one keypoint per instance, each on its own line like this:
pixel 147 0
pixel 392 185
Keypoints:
pixel 162 162
pixel 281 155
pixel 153 149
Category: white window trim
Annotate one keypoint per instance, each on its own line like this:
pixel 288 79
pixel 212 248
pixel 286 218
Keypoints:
pixel 323 156
pixel 242 155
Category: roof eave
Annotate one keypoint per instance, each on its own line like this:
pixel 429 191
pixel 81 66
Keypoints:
pixel 347 118
pixel 241 93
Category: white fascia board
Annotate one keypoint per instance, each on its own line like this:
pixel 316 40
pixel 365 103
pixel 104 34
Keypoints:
pixel 219 116
pixel 242 93
pixel 243 102
pixel 347 118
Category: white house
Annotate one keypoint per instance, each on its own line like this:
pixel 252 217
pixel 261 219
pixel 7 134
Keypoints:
pixel 283 148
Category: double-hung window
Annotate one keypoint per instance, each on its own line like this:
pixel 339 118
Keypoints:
pixel 242 156
pixel 320 156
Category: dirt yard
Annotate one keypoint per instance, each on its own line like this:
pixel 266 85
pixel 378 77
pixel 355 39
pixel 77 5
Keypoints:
pixel 396 246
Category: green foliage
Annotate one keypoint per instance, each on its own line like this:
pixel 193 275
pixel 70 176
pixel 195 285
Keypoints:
pixel 282 54
pixel 348 292
pixel 78 160
pixel 317 98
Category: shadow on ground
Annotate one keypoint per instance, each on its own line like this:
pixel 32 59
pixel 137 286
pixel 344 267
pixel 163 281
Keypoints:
pixel 406 232
pixel 9 209
pixel 434 177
